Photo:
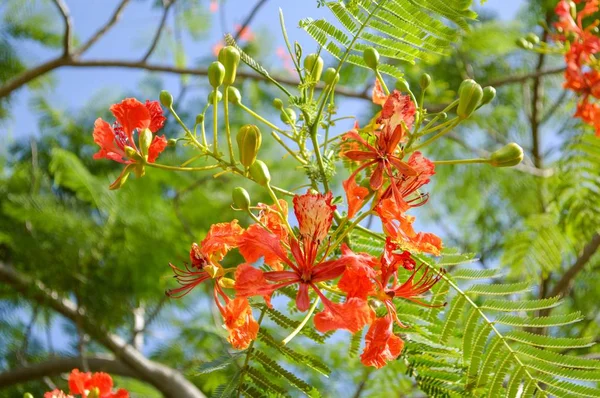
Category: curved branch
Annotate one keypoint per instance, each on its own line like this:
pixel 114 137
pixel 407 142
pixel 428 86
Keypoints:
pixel 168 381
pixel 57 366
pixel 158 33
pixel 66 15
pixel 249 18
pixel 563 286
pixel 105 28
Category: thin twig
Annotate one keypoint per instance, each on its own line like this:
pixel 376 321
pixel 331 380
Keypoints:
pixel 66 15
pixel 159 30
pixel 105 28
pixel 563 286
pixel 249 18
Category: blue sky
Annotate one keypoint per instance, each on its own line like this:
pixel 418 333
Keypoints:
pixel 130 38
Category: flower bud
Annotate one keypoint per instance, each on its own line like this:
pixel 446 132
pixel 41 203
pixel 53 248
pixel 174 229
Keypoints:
pixel 211 97
pixel 227 283
pixel 199 118
pixel 248 139
pixel 313 66
pixel 241 198
pixel 233 95
pixel 469 97
pixel 260 173
pixel 216 74
pixel 331 77
pixel 145 140
pixel 288 116
pixel 532 38
pixel 489 93
pixel 524 44
pixel 278 104
pixel 229 56
pixel 507 156
pixel 27 395
pixel 172 142
pixel 425 81
pixel 132 153
pixel 371 57
pixel 166 99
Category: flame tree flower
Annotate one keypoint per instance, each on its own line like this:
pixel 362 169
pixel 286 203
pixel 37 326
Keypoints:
pixel 86 384
pixel 205 264
pixel 308 269
pixel 117 142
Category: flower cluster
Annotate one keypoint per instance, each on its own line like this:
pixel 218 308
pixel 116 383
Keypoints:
pixel 117 141
pixel 583 48
pixel 88 385
pixel 314 259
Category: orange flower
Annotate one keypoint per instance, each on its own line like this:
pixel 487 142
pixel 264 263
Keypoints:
pixel 314 213
pixel 240 323
pixel 381 344
pixel 237 314
pixel 83 383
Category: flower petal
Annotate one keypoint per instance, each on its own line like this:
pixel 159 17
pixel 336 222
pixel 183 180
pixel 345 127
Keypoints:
pixel 302 298
pixel 159 143
pixel 104 136
pixel 378 95
pixel 314 213
pixel 220 239
pixel 250 281
pixel 355 195
pixel 240 323
pixel 257 242
pixel 157 119
pixel 352 315
pixel 357 279
pixel 131 114
pixel 270 217
pixel 381 344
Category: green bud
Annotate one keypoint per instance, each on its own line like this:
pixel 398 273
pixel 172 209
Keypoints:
pixel 425 81
pixel 166 99
pixel 234 95
pixel 288 116
pixel 278 104
pixel 27 395
pixel 469 96
pixel 229 56
pixel 145 140
pixel 489 93
pixel 211 97
pixel 260 173
pixel 248 139
pixel 200 118
pixel 216 74
pixel 532 38
pixel 507 156
pixel 172 142
pixel 241 198
pixel 331 77
pixel 371 57
pixel 313 66
pixel 524 44
pixel 132 153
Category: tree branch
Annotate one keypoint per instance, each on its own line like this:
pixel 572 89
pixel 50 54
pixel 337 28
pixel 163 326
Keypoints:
pixel 159 30
pixel 105 28
pixel 525 77
pixel 57 366
pixel 168 381
pixel 66 15
pixel 563 286
pixel 249 18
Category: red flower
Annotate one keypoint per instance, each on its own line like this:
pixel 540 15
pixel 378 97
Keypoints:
pixel 84 383
pixel 381 344
pixel 56 393
pixel 383 154
pixel 314 213
pixel 205 258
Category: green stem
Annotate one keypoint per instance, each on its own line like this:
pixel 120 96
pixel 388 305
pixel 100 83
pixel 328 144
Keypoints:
pixel 177 168
pixel 446 109
pixel 435 137
pixel 215 123
pixel 340 238
pixel 227 129
pixel 258 117
pixel 282 212
pixel 289 46
pixel 461 161
pixel 380 78
pixel 303 323
pixel 287 148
